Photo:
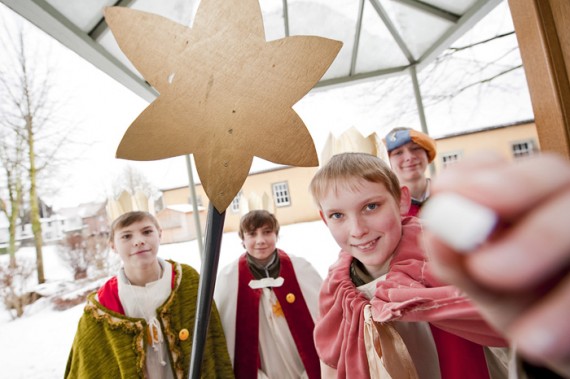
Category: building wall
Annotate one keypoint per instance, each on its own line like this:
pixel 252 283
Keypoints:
pixel 181 195
pixel 302 208
pixel 499 140
pixel 97 223
pixel 178 226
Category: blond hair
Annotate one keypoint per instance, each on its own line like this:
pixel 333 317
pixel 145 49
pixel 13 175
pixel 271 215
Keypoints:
pixel 346 168
pixel 130 218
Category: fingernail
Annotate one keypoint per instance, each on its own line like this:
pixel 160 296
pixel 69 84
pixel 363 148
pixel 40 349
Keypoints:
pixel 458 221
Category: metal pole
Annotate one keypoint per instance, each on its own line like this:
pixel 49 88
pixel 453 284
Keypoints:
pixel 208 272
pixel 420 106
pixel 195 207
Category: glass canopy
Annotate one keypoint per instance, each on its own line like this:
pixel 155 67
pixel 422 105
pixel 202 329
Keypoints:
pixel 379 36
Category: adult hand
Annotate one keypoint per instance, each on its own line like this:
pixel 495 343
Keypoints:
pixel 520 277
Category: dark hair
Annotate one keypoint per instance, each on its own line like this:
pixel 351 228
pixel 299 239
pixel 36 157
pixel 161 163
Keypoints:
pixel 257 219
pixel 130 218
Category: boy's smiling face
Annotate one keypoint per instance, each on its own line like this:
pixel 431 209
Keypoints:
pixel 260 243
pixel 409 161
pixel 365 221
pixel 137 244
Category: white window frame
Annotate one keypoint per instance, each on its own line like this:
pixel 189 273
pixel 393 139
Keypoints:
pixel 234 206
pixel 524 152
pixel 452 158
pixel 281 194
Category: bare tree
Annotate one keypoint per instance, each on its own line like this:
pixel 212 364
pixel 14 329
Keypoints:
pixel 13 287
pixel 83 253
pixel 474 71
pixel 479 66
pixel 29 112
pixel 133 180
pixel 11 158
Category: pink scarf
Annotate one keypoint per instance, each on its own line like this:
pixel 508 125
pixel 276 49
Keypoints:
pixel 409 293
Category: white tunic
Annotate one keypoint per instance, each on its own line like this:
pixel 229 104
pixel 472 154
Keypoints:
pixel 278 352
pixel 417 336
pixel 142 302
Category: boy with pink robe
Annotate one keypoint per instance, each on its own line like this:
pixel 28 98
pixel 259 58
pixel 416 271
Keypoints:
pixel 380 302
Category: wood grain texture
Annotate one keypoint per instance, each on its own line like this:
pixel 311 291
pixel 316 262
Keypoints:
pixel 543 32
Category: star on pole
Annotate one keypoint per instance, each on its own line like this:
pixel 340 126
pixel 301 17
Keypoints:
pixel 226 94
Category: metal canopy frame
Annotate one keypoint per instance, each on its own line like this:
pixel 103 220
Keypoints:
pixel 86 42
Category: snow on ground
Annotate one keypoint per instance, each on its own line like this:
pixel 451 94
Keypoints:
pixel 36 346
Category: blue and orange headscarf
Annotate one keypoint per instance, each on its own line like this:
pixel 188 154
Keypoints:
pixel 400 136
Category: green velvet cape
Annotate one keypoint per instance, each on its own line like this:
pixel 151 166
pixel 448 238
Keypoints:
pixel 111 345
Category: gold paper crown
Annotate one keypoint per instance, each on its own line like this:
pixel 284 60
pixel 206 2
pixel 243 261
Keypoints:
pixel 127 202
pixel 253 201
pixel 352 140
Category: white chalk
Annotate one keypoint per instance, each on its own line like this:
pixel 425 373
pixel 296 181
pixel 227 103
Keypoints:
pixel 458 221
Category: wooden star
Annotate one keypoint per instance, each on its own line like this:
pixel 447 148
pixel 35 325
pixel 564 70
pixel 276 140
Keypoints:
pixel 226 94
